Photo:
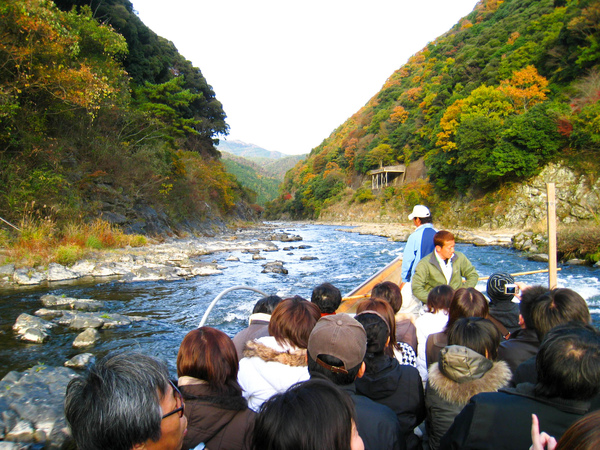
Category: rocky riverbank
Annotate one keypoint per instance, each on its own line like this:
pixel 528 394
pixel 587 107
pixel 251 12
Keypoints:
pixel 172 259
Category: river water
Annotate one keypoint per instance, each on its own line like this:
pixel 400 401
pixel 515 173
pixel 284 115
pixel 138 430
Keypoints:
pixel 171 309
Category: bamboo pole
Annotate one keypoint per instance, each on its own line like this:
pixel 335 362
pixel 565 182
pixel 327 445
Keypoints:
pixel 531 272
pixel 552 276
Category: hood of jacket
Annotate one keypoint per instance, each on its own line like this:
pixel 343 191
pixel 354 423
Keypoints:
pixel 462 373
pixel 271 352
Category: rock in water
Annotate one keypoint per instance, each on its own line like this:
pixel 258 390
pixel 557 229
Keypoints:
pixel 274 267
pixel 86 339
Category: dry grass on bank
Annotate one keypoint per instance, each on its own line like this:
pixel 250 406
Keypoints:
pixel 42 241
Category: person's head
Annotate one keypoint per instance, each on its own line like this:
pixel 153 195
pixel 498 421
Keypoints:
pixel 386 311
pixel 312 415
pixel 390 292
pixel 439 298
pixel 568 362
pixel 336 348
pixel 327 297
pixel 266 305
pixel 557 307
pixel 495 287
pixel 420 215
pixel 583 434
pixel 467 302
pixel 209 354
pixel 528 298
pixel 444 244
pixel 378 332
pixel 476 333
pixel 124 402
pixel 293 320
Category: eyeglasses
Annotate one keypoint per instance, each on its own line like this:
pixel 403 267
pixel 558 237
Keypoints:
pixel 179 399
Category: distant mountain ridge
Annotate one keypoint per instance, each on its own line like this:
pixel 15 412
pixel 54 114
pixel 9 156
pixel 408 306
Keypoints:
pixel 246 150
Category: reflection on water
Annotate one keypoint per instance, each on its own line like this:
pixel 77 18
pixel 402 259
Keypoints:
pixel 171 309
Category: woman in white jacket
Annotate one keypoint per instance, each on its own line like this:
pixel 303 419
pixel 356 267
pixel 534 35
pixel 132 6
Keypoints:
pixel 433 321
pixel 273 363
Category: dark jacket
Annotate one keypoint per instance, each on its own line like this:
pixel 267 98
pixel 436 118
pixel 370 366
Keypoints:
pixel 219 421
pixel 460 374
pixel 377 424
pixel 507 313
pixel 502 420
pixel 398 387
pixel 522 345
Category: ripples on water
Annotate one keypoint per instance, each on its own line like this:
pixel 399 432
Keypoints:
pixel 171 309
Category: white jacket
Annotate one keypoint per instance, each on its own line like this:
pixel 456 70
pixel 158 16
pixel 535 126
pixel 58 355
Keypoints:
pixel 427 324
pixel 268 368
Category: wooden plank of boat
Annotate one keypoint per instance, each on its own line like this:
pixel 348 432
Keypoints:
pixel 391 272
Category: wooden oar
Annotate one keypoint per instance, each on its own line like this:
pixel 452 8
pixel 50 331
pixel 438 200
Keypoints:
pixel 531 272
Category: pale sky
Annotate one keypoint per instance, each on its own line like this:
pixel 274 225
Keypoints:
pixel 288 73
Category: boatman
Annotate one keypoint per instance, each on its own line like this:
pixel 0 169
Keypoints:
pixel 419 244
pixel 443 266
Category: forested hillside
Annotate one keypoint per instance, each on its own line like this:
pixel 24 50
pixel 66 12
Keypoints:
pixel 100 117
pixel 511 87
pixel 252 176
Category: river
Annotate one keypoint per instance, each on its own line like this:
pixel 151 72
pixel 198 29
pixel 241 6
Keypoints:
pixel 171 309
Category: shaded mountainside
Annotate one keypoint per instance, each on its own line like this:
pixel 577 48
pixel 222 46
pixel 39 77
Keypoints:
pixel 253 177
pixel 262 175
pixel 513 86
pixel 100 117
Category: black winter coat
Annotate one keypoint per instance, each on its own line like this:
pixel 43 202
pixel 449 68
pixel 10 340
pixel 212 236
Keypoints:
pixel 399 387
pixel 502 420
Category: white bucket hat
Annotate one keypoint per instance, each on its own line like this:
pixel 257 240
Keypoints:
pixel 419 211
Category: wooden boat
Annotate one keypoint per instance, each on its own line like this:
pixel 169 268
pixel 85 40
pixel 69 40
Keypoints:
pixel 391 272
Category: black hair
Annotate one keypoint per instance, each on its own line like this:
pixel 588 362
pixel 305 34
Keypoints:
pixel 528 298
pixel 476 333
pixel 340 379
pixel 116 404
pixel 377 333
pixel 439 298
pixel 557 307
pixel 312 415
pixel 568 362
pixel 327 297
pixel 426 219
pixel 266 305
pixel 390 292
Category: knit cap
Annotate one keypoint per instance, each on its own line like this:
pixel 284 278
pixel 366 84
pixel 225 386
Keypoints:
pixel 495 287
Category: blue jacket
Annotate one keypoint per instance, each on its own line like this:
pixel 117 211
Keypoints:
pixel 416 248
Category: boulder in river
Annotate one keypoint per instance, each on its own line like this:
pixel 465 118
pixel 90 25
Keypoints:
pixel 31 328
pixel 274 267
pixel 81 304
pixel 32 407
pixel 308 258
pixel 87 338
pixel 80 361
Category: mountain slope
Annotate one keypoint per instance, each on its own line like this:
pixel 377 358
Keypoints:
pixel 509 88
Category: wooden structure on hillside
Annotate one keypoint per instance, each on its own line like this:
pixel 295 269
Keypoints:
pixel 387 176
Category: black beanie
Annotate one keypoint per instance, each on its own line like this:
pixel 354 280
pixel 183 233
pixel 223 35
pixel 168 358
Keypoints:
pixel 495 287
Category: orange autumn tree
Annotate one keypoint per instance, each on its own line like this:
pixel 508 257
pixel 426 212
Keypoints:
pixel 525 88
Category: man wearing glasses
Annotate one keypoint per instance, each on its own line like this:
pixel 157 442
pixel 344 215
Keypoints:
pixel 126 401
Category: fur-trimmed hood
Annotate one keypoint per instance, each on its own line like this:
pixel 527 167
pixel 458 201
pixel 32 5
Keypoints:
pixel 465 373
pixel 265 350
